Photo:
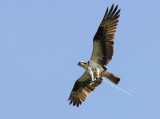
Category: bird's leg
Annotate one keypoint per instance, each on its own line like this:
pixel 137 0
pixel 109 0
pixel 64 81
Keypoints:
pixel 91 73
pixel 98 75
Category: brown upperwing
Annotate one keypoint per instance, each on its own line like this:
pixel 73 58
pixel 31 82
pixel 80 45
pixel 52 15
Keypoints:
pixel 82 88
pixel 103 41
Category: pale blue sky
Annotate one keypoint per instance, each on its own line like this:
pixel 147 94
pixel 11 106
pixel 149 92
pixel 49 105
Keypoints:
pixel 41 43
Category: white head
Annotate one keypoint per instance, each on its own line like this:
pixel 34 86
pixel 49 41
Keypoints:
pixel 83 64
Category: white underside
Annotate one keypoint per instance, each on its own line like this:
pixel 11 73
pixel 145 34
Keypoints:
pixel 94 68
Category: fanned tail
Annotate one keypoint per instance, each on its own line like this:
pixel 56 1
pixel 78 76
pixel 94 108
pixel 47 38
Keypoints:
pixel 111 77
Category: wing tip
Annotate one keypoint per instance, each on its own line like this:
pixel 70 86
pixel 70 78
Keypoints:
pixel 75 102
pixel 113 11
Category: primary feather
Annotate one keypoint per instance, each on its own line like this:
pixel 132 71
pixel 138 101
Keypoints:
pixel 103 44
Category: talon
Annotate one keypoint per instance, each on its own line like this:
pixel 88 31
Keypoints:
pixel 98 76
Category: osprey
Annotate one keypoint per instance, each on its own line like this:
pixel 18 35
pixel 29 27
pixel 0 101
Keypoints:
pixel 95 69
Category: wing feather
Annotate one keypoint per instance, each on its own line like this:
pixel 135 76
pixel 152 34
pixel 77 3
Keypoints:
pixel 82 88
pixel 103 41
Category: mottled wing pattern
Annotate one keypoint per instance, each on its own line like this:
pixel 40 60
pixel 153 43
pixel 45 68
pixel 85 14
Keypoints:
pixel 82 88
pixel 103 41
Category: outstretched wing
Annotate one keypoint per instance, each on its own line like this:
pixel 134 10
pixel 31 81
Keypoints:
pixel 103 41
pixel 82 88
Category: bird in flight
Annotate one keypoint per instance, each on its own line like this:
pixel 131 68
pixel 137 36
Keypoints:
pixel 95 70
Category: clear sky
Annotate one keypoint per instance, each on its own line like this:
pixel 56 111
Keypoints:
pixel 41 42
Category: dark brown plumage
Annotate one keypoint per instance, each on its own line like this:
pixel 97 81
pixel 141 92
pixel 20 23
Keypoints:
pixel 103 44
pixel 104 38
pixel 82 88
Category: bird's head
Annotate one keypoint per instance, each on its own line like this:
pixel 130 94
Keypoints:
pixel 83 64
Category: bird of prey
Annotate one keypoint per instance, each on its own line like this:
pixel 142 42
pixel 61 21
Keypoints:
pixel 95 70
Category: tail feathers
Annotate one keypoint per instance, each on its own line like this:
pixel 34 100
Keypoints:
pixel 111 77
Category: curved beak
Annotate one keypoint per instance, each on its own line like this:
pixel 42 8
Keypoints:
pixel 78 63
